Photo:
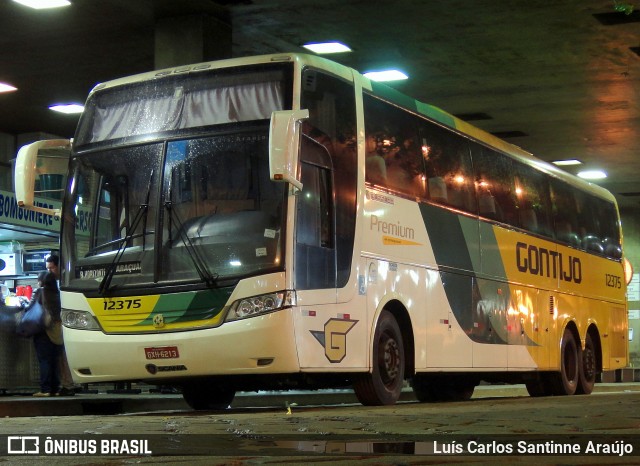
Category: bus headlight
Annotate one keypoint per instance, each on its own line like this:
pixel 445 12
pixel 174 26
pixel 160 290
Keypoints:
pixel 628 271
pixel 79 319
pixel 262 304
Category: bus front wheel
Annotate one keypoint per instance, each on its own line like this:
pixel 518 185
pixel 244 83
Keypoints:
pixel 203 396
pixel 383 385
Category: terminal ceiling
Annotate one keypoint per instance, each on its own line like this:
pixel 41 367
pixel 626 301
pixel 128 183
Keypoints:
pixel 550 76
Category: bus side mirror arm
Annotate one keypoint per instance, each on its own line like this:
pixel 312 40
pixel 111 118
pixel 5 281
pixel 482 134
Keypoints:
pixel 284 144
pixel 26 170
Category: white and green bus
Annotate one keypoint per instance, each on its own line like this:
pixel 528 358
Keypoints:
pixel 282 222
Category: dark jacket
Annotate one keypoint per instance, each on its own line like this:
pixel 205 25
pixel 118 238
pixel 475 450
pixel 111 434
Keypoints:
pixel 51 296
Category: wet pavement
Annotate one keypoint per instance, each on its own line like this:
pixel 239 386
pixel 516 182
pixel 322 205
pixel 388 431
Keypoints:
pixel 330 426
pixel 149 399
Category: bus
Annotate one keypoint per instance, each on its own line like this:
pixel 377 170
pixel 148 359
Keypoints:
pixel 282 222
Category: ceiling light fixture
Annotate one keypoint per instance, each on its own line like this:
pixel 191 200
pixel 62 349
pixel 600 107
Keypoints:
pixel 592 174
pixel 68 109
pixel 386 75
pixel 4 87
pixel 43 4
pixel 327 47
pixel 567 162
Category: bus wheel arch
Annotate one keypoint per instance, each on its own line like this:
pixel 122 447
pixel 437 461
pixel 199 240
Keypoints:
pixel 383 385
pixel 403 319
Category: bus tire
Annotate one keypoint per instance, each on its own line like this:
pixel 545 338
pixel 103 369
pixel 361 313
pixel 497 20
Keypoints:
pixel 206 396
pixel 588 368
pixel 566 381
pixel 383 385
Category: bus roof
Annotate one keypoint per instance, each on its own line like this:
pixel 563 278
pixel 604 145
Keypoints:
pixel 383 91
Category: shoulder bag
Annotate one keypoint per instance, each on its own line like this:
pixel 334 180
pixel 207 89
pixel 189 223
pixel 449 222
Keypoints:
pixel 32 320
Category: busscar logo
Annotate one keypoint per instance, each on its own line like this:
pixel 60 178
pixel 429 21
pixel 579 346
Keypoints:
pixel 23 445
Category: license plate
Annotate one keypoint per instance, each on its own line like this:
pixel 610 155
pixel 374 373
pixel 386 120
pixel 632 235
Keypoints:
pixel 162 352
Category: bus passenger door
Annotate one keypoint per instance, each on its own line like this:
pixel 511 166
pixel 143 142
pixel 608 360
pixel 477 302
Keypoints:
pixel 315 261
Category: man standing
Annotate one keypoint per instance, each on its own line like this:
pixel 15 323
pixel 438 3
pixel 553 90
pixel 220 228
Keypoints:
pixel 66 382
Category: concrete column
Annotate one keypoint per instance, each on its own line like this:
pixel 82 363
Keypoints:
pixel 7 147
pixel 192 38
pixel 7 152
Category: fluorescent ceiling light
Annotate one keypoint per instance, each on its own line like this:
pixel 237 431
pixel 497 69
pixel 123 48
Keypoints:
pixel 387 75
pixel 43 4
pixel 592 174
pixel 566 163
pixel 67 108
pixel 327 47
pixel 4 87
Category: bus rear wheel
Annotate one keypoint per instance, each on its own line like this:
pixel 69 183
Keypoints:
pixel 383 385
pixel 588 368
pixel 566 381
pixel 205 395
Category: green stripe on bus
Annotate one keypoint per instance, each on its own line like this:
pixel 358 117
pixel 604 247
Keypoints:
pixel 447 238
pixel 399 98
pixel 190 306
pixel 453 238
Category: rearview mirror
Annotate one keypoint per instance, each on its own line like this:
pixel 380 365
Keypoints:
pixel 37 162
pixel 284 144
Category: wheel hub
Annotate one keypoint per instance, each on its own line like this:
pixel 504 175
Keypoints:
pixel 391 359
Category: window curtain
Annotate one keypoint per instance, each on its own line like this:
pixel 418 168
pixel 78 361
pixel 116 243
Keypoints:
pixel 181 110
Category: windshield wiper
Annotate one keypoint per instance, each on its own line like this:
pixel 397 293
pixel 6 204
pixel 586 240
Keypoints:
pixel 124 242
pixel 118 241
pixel 198 262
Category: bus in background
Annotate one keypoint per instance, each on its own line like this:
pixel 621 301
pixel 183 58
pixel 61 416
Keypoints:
pixel 283 222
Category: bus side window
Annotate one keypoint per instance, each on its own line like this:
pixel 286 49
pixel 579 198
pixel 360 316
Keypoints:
pixel 495 185
pixel 315 202
pixel 564 210
pixel 315 253
pixel 609 231
pixel 314 207
pixel 332 110
pixel 393 157
pixel 534 205
pixel 448 168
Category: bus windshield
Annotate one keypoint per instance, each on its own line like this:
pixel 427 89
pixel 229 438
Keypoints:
pixel 182 196
pixel 217 214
